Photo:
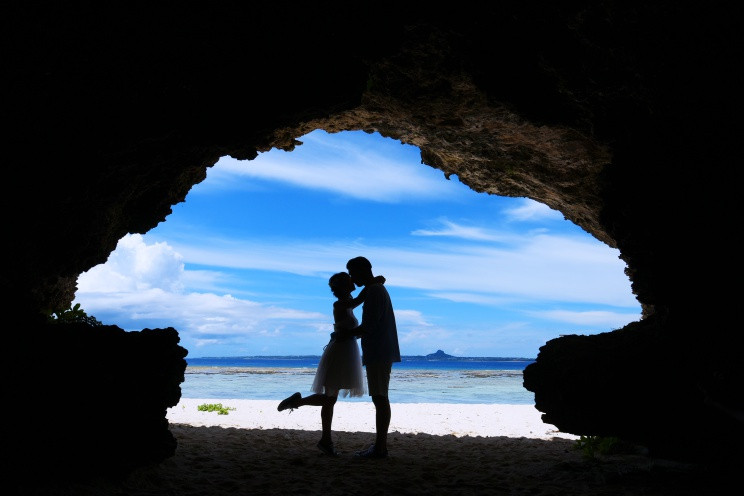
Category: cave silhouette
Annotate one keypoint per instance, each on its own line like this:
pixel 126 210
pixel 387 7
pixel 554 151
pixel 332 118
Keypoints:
pixel 619 116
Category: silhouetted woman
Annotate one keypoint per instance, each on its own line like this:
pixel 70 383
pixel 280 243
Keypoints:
pixel 340 366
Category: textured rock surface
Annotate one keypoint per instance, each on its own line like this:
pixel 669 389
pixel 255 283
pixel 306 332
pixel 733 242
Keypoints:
pixel 620 116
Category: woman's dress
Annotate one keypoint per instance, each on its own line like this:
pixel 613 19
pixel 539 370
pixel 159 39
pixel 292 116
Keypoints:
pixel 340 366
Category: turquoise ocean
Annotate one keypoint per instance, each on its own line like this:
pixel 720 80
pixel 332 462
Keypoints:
pixel 416 379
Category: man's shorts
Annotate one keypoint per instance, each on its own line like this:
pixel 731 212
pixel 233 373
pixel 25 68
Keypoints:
pixel 378 378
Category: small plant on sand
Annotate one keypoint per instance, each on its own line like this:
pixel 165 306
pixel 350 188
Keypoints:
pixel 214 407
pixel 592 445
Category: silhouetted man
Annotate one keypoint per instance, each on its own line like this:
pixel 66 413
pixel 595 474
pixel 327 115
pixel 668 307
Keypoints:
pixel 379 349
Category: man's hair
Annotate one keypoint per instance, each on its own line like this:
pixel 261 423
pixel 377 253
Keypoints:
pixel 360 263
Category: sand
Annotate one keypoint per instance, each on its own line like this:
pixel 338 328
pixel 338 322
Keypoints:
pixel 407 418
pixel 433 449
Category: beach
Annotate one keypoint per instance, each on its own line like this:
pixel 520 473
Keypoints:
pixel 433 449
pixel 407 418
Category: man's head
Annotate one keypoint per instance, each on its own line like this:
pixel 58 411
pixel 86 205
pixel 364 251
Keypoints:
pixel 360 270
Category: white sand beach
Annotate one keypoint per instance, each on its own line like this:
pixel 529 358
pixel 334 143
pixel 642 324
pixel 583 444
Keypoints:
pixel 407 418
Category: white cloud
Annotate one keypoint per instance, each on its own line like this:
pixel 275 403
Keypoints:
pixel 540 268
pixel 126 284
pixel 348 170
pixel 532 211
pixel 591 318
pixel 454 230
pixel 386 181
pixel 537 267
pixel 411 317
pixel 135 266
pixel 477 298
pixel 413 340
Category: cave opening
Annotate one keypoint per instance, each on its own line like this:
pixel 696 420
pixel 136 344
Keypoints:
pixel 240 268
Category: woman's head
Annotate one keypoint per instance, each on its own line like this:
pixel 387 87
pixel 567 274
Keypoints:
pixel 340 283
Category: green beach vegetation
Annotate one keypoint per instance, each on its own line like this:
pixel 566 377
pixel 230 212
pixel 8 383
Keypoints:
pixel 74 314
pixel 214 407
pixel 591 446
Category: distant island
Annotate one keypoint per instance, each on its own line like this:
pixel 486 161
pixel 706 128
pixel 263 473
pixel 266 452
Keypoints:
pixel 441 355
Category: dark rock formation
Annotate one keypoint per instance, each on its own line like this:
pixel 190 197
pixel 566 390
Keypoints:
pixel 640 385
pixel 84 400
pixel 621 115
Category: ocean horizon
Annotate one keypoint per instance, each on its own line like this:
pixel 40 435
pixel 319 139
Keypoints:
pixel 434 378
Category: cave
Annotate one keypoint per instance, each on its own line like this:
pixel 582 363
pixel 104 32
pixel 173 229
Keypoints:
pixel 621 116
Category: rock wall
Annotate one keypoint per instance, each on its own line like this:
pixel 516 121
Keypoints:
pixel 83 401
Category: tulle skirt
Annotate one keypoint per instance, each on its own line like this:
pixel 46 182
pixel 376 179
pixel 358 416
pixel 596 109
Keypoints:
pixel 340 370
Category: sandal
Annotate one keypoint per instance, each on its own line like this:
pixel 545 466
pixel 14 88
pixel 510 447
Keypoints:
pixel 291 403
pixel 328 449
pixel 371 452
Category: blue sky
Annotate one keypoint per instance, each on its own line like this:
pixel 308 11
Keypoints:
pixel 241 267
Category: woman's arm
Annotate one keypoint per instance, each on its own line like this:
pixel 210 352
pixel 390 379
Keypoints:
pixel 340 331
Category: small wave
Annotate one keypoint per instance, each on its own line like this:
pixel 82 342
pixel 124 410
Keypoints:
pixel 247 371
pixel 485 374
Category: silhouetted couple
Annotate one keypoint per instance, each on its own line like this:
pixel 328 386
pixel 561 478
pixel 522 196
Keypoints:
pixel 340 366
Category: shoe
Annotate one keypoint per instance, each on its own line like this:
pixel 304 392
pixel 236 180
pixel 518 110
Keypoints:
pixel 328 449
pixel 290 402
pixel 371 453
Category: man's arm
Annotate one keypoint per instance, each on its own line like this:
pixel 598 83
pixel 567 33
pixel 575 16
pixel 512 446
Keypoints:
pixel 371 310
pixel 341 333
